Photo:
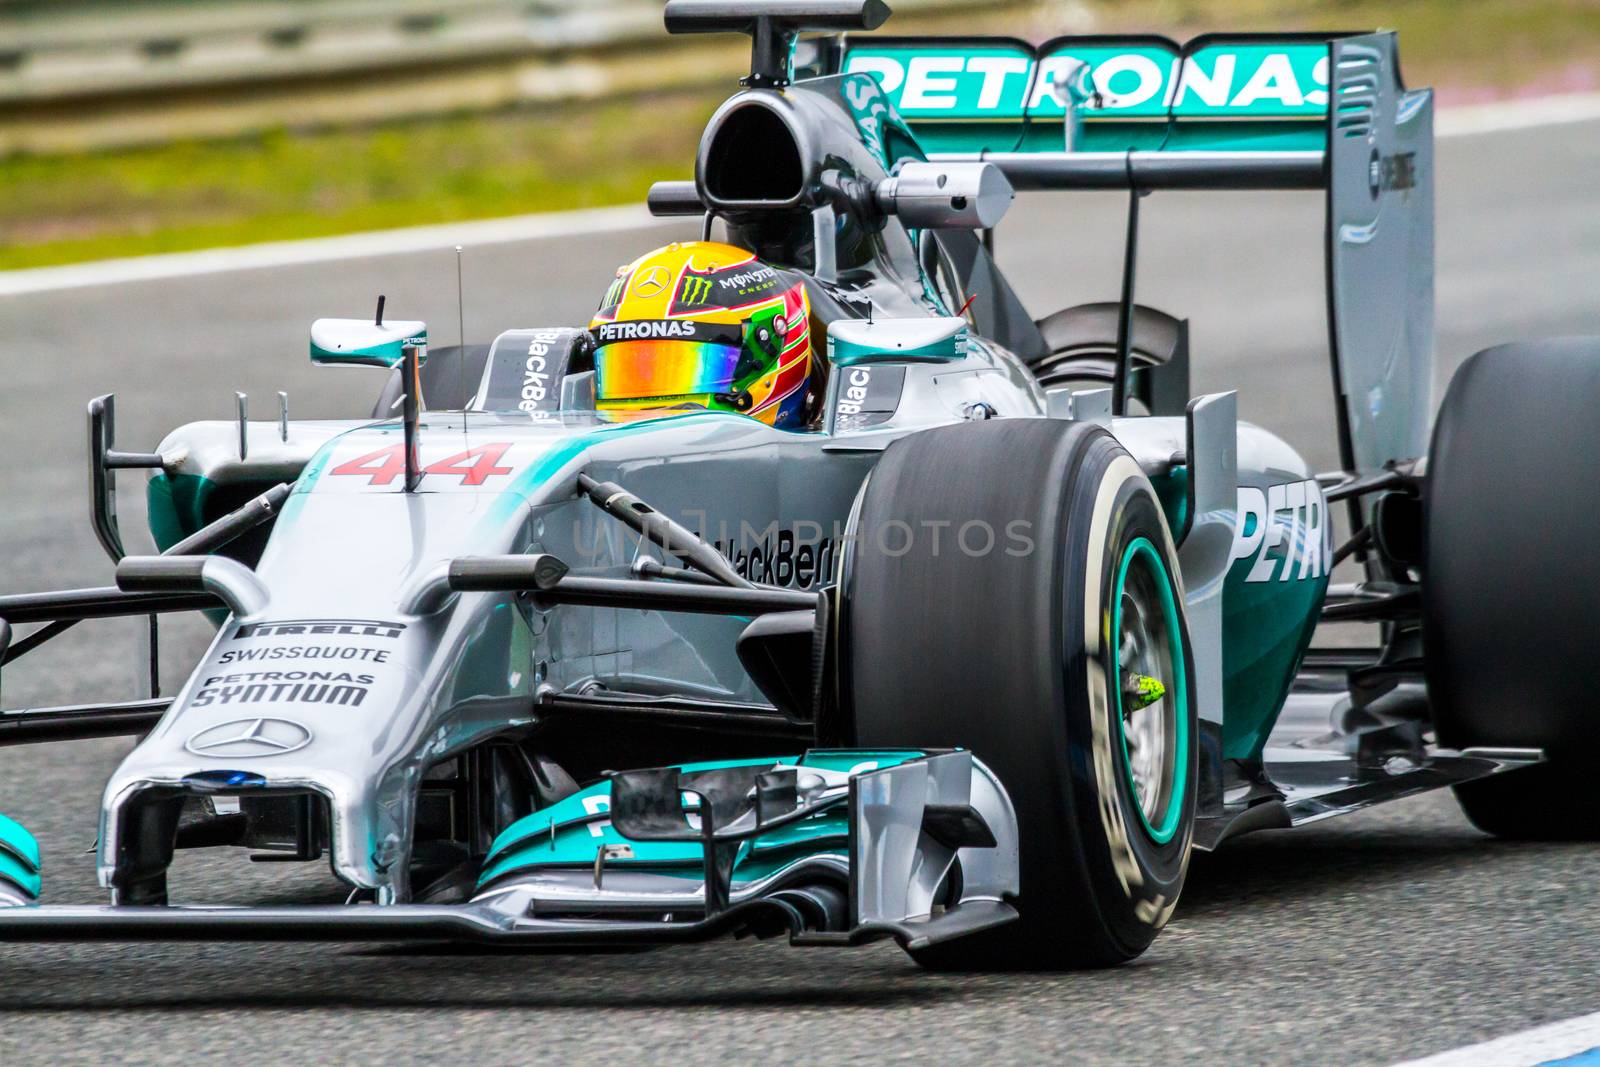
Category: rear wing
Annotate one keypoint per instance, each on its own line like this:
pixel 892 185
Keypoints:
pixel 1100 93
pixel 1222 112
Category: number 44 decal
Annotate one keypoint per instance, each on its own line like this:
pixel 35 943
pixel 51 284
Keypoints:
pixel 474 466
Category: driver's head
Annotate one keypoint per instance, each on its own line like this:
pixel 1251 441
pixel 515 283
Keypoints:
pixel 705 325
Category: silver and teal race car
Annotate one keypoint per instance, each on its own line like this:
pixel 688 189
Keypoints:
pixel 965 633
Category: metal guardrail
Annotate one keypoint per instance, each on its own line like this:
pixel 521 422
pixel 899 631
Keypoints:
pixel 76 48
pixel 62 51
pixel 88 74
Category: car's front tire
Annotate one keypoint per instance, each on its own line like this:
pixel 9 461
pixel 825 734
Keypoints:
pixel 1005 581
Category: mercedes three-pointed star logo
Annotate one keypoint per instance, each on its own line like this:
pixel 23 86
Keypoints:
pixel 651 282
pixel 250 737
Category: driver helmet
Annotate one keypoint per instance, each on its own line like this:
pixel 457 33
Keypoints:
pixel 705 325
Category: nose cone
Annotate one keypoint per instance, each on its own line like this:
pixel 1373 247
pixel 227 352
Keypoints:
pixel 328 706
pixel 249 739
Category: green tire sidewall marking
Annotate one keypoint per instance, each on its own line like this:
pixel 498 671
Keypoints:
pixel 1142 548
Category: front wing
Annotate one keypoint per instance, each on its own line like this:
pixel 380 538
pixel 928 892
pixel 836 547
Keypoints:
pixel 907 819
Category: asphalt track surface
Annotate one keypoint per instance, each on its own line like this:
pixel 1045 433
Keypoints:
pixel 1388 934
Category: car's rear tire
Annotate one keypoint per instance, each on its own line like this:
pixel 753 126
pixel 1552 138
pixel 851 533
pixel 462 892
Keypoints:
pixel 980 592
pixel 1511 577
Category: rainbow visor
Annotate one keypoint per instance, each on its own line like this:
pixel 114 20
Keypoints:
pixel 637 369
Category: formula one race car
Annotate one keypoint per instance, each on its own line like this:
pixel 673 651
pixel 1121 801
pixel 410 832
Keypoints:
pixel 925 619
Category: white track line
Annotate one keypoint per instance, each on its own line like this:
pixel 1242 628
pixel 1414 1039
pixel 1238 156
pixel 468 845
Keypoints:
pixel 444 236
pixel 1516 114
pixel 1451 122
pixel 1531 1047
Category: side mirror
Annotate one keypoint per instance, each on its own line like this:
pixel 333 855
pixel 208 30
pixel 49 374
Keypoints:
pixel 363 343
pixel 919 340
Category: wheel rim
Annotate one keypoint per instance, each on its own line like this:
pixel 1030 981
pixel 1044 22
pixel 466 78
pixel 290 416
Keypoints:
pixel 1151 689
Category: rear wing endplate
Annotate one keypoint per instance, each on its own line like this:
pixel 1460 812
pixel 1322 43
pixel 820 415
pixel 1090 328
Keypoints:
pixel 1222 112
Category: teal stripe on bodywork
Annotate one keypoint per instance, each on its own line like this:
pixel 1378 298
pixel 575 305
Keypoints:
pixel 1172 491
pixel 15 839
pixel 176 506
pixel 1267 627
pixel 525 484
pixel 530 844
pixel 15 873
pixel 562 450
pixel 387 354
pixel 844 353
pixel 19 857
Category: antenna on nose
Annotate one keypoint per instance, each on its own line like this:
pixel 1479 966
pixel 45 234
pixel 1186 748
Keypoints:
pixel 461 336
pixel 411 410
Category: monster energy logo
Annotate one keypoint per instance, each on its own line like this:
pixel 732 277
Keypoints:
pixel 696 290
pixel 751 280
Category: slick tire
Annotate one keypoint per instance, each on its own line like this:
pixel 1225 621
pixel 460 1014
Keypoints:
pixel 1510 577
pixel 1003 649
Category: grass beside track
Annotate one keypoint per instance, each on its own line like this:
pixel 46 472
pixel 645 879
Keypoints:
pixel 281 185
pixel 305 183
